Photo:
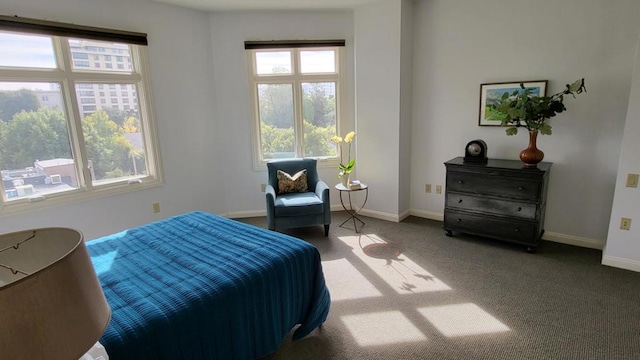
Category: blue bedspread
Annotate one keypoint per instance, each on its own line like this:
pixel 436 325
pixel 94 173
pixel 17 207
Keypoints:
pixel 199 286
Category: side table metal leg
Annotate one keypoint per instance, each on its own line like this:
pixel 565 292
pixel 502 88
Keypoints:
pixel 351 212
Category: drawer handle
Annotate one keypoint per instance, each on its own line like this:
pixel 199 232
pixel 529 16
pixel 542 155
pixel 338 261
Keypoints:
pixel 520 188
pixel 460 182
pixel 460 201
pixel 517 230
pixel 519 208
pixel 459 220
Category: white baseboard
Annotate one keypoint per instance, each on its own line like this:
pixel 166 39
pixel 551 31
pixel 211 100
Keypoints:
pixel 621 263
pixel 573 240
pixel 403 215
pixel 245 214
pixel 550 236
pixel 427 214
pixel 382 215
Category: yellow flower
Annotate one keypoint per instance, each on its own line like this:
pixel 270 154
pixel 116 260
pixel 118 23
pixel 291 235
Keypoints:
pixel 351 163
pixel 349 137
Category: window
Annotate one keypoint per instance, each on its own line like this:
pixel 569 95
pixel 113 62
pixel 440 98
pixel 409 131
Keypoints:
pixel 52 125
pixel 296 99
pixel 79 55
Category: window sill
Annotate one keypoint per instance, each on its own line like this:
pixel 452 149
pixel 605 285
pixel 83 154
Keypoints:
pixel 74 196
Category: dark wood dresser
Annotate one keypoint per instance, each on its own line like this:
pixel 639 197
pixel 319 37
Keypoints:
pixel 501 199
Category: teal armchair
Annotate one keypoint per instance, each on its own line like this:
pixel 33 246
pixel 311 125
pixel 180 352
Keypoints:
pixel 299 209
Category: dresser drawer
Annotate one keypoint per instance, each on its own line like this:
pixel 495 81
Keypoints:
pixel 500 228
pixel 511 187
pixel 491 205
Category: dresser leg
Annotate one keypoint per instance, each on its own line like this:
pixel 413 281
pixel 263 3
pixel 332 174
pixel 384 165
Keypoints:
pixel 448 232
pixel 531 249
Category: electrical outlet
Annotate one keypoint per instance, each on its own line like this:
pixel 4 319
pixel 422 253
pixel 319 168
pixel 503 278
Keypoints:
pixel 427 188
pixel 263 187
pixel 632 180
pixel 625 223
pixel 156 208
pixel 438 189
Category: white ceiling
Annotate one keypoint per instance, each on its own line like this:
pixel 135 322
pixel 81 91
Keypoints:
pixel 220 5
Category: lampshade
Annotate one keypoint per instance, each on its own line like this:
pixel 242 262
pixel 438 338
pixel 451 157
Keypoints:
pixel 51 302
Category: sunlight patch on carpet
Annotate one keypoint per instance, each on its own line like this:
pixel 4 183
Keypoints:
pixel 462 320
pixel 383 328
pixel 388 262
pixel 345 282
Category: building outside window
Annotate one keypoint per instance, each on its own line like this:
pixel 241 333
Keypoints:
pixel 58 141
pixel 296 100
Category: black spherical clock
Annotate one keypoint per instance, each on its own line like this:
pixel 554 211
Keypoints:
pixel 476 151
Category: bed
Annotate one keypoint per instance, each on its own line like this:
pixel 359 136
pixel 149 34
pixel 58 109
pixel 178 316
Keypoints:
pixel 200 286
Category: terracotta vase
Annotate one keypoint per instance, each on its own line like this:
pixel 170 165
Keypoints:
pixel 531 156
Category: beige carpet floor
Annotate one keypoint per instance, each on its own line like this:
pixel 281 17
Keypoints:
pixel 406 291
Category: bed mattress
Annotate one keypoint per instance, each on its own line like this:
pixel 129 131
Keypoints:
pixel 200 286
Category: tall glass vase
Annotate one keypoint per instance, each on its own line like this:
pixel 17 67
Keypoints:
pixel 531 156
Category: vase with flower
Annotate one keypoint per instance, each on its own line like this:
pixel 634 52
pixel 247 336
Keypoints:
pixel 523 109
pixel 345 168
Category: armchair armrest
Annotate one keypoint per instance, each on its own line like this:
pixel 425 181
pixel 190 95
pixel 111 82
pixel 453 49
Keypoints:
pixel 270 195
pixel 322 191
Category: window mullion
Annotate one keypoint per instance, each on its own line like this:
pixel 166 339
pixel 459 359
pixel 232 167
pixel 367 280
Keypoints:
pixel 145 108
pixel 32 75
pixel 299 117
pixel 104 78
pixel 63 52
pixel 297 104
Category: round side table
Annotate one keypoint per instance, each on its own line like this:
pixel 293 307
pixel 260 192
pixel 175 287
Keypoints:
pixel 351 210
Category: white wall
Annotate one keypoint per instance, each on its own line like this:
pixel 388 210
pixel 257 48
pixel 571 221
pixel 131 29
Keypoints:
pixel 378 39
pixel 229 30
pixel 180 62
pixel 623 247
pixel 406 97
pixel 460 44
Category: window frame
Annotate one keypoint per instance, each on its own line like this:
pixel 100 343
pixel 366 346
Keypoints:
pixel 296 78
pixel 68 77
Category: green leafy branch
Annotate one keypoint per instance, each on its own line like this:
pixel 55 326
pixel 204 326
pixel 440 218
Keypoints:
pixel 522 109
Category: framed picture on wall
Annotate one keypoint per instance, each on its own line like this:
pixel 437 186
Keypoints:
pixel 491 93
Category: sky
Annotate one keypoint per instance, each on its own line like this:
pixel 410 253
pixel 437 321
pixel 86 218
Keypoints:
pixel 26 51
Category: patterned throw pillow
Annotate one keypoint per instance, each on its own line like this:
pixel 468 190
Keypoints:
pixel 292 184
